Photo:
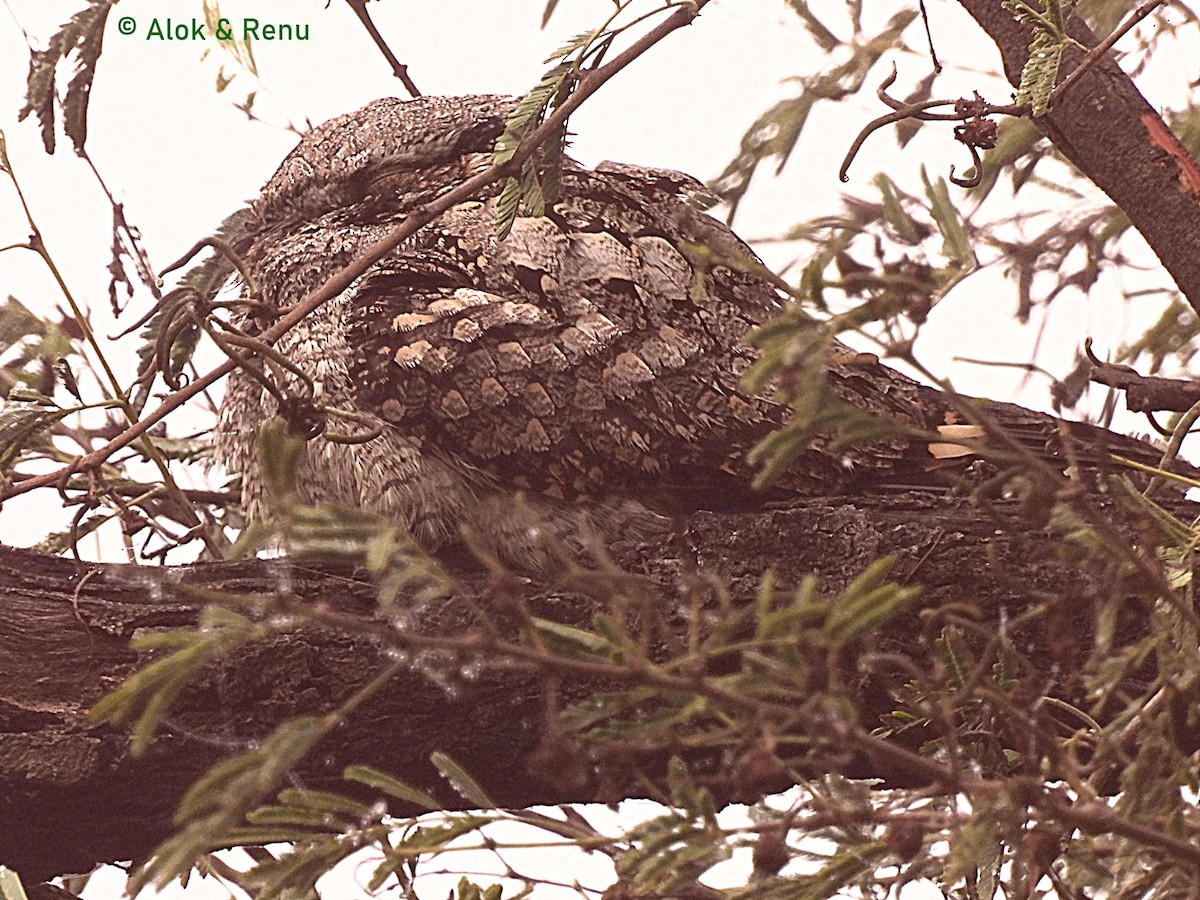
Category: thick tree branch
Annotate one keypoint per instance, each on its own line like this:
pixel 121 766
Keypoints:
pixel 71 795
pixel 1106 128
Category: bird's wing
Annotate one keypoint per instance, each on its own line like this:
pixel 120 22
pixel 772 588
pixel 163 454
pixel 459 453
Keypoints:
pixel 598 350
pixel 584 355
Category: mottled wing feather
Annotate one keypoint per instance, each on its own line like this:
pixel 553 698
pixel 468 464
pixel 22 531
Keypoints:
pixel 579 357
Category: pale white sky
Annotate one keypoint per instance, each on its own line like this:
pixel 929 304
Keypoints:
pixel 180 157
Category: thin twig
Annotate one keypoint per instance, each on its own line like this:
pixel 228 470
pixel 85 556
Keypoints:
pixel 398 68
pixel 225 249
pixel 109 385
pixel 921 111
pixel 1093 55
pixel 933 57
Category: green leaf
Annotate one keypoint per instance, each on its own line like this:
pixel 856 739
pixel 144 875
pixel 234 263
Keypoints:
pixel 183 449
pixel 507 207
pixel 902 224
pixel 215 806
pixel 956 242
pixel 825 38
pixel 10 885
pixel 685 793
pixel 22 425
pixel 426 839
pixel 289 815
pixel 955 654
pixel 1040 72
pixel 837 878
pixel 540 175
pixel 460 780
pixel 865 613
pixel 263 834
pixel 200 283
pixel 18 322
pixel 391 786
pixel 434 837
pixel 573 640
pixel 149 692
pixel 670 852
pixel 294 874
pixel 62 368
pixel 27 395
pixel 279 454
pixel 530 111
pixel 324 801
pixel 578 42
pixel 240 49
pixel 773 136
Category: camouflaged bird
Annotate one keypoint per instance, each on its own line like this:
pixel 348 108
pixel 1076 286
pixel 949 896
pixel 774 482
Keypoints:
pixel 587 363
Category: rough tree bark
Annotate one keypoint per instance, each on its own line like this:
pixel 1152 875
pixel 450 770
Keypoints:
pixel 71 795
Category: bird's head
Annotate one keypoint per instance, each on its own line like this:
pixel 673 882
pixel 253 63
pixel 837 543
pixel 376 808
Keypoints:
pixel 380 160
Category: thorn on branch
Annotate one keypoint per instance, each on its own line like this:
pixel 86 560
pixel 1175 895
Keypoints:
pixel 398 68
